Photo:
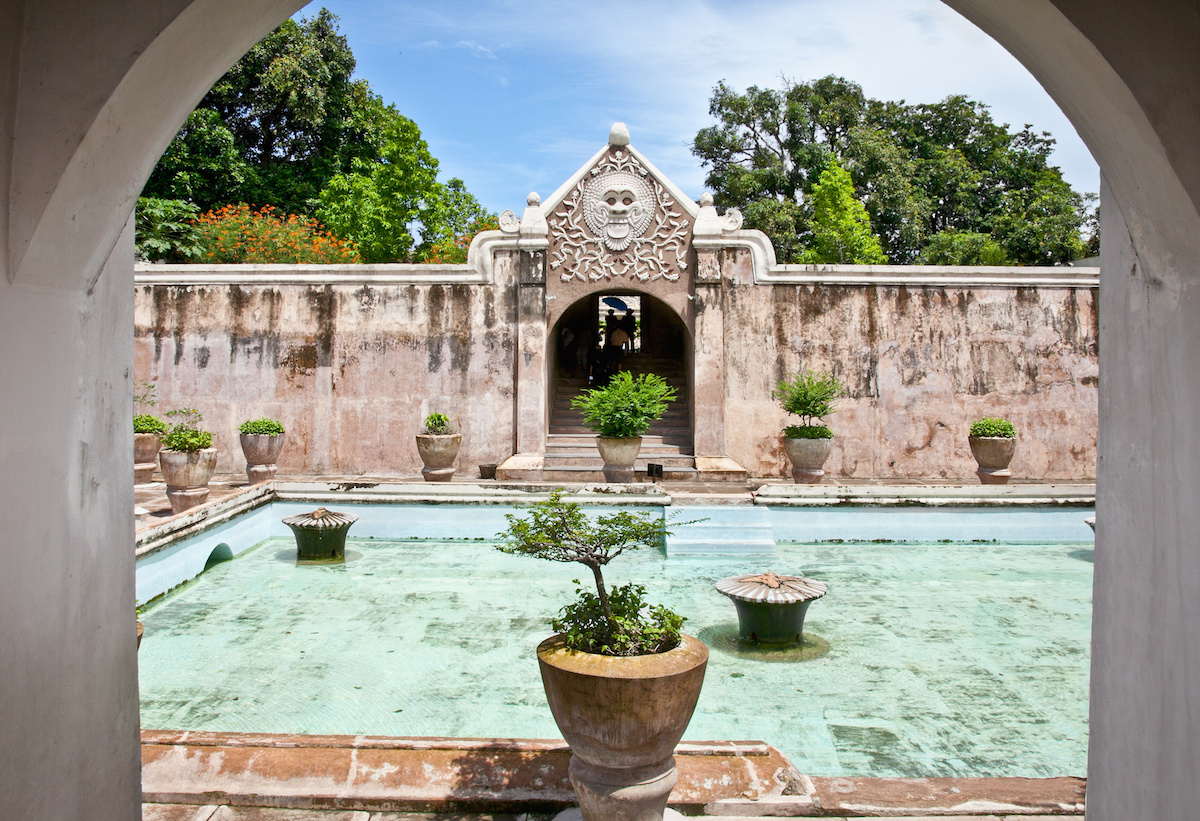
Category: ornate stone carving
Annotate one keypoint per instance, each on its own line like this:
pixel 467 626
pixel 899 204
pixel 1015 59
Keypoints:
pixel 619 222
pixel 510 223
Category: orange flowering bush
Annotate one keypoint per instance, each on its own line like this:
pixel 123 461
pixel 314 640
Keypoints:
pixel 455 250
pixel 236 233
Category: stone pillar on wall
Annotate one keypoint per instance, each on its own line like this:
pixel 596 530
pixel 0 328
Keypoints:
pixel 708 343
pixel 531 390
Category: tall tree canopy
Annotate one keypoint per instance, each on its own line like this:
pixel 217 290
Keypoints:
pixel 289 126
pixel 920 171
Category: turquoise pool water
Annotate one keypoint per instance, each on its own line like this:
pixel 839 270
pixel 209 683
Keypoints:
pixel 946 659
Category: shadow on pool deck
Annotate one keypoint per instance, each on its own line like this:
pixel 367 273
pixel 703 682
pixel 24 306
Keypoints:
pixel 191 776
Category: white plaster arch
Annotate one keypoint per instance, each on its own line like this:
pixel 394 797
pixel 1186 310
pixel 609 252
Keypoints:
pixel 92 91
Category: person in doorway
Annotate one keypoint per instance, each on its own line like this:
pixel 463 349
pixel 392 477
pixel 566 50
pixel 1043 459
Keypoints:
pixel 629 326
pixel 566 350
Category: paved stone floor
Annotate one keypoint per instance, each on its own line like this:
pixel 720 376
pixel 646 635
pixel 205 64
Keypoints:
pixel 189 812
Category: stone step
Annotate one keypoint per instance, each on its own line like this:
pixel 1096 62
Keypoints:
pixel 676 460
pixel 588 474
pixel 728 530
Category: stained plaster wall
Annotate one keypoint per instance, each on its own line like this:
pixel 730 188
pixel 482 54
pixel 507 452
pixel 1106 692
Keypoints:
pixel 920 364
pixel 351 369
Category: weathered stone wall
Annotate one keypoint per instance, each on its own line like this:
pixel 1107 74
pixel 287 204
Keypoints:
pixel 351 370
pixel 920 363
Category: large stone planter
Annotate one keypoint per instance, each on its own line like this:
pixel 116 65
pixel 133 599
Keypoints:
pixel 993 453
pixel 262 452
pixel 619 453
pixel 187 475
pixel 145 456
pixel 808 458
pixel 622 717
pixel 438 452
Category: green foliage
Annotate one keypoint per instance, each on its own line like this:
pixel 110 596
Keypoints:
pixel 635 628
pixel 165 230
pixel 612 624
pixel 185 435
pixel 626 406
pixel 841 229
pixel 951 247
pixel 235 233
pixel 918 169
pixel 454 251
pixel 145 423
pixel 810 395
pixel 437 424
pixel 289 127
pixel 145 394
pixel 262 427
pixel 807 432
pixel 994 427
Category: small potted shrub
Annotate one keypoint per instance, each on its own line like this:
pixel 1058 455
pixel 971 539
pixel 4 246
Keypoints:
pixel 621 679
pixel 620 412
pixel 262 440
pixel 811 395
pixel 147 434
pixel 187 459
pixel 993 442
pixel 438 444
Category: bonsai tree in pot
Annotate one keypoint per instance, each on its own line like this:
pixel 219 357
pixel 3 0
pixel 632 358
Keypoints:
pixel 621 679
pixel 262 440
pixel 993 442
pixel 811 395
pixel 187 459
pixel 147 434
pixel 620 412
pixel 438 444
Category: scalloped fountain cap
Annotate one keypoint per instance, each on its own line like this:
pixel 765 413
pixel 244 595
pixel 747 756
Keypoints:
pixel 772 588
pixel 321 519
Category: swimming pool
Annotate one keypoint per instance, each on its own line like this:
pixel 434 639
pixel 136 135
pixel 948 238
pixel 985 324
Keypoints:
pixel 966 658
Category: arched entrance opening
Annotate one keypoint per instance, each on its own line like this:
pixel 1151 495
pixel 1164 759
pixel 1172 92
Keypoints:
pixel 596 336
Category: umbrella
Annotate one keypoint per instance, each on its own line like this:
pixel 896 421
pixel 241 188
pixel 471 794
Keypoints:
pixel 615 302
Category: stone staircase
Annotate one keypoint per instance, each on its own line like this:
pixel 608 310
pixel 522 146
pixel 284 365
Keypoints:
pixel 571 454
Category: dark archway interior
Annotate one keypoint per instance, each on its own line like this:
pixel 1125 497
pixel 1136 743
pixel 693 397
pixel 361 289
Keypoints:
pixel 586 349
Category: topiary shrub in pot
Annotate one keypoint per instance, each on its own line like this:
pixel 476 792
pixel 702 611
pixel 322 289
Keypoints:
pixel 147 432
pixel 621 679
pixel 187 459
pixel 620 412
pixel 438 444
pixel 993 442
pixel 262 441
pixel 811 395
pixel 147 442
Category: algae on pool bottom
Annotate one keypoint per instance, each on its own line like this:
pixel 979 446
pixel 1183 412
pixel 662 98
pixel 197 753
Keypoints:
pixel 944 660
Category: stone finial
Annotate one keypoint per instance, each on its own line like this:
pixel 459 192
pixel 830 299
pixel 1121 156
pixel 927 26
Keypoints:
pixel 618 135
pixel 533 221
pixel 706 199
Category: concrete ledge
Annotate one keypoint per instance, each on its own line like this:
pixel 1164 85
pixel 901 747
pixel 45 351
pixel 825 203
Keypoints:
pixel 437 774
pixel 784 495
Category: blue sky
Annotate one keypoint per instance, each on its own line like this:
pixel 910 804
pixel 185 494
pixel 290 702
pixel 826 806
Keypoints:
pixel 514 96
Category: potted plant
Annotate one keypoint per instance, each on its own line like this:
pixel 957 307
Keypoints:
pixel 993 442
pixel 621 679
pixel 187 459
pixel 620 412
pixel 811 395
pixel 262 440
pixel 438 444
pixel 147 434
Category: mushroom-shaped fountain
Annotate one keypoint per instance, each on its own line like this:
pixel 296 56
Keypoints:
pixel 770 607
pixel 321 534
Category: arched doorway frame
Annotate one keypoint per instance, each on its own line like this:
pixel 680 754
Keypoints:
pixel 96 93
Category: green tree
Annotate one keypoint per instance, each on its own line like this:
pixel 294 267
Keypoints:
pixel 951 247
pixel 841 229
pixel 166 230
pixel 919 169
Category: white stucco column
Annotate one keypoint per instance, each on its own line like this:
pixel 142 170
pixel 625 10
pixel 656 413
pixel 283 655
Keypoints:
pixel 68 656
pixel 1144 751
pixel 709 351
pixel 531 389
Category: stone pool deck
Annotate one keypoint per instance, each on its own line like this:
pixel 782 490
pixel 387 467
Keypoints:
pixel 257 777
